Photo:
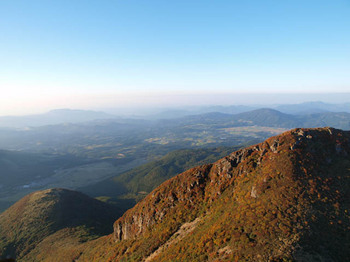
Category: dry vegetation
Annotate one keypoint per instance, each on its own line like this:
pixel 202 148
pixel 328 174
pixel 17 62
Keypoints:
pixel 286 199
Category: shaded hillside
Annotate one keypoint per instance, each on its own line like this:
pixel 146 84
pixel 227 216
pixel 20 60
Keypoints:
pixel 286 199
pixel 20 168
pixel 149 176
pixel 126 189
pixel 46 214
pixel 22 172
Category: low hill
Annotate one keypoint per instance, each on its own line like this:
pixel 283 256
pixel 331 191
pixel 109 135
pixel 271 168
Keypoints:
pixel 22 172
pixel 49 213
pixel 268 117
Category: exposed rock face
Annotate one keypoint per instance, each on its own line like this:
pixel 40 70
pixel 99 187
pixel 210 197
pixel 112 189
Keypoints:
pixel 278 193
pixel 195 185
pixel 286 199
pixel 148 214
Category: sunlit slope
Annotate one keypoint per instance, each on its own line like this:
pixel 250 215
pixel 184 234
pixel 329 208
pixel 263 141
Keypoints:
pixel 286 199
pixel 129 187
pixel 39 216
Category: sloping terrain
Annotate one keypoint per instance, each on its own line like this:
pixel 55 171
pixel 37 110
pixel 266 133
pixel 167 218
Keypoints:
pixel 21 172
pixel 42 215
pixel 126 189
pixel 286 199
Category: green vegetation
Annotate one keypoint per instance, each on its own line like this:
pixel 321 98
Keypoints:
pixel 77 155
pixel 280 200
pixel 141 139
pixel 23 172
pixel 147 177
pixel 55 211
pixel 128 188
pixel 283 200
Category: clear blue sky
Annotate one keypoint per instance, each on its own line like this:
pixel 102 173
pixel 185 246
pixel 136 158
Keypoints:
pixel 62 53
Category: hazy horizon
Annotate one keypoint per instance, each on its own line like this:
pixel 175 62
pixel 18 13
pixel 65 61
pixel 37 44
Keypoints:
pixel 110 54
pixel 148 104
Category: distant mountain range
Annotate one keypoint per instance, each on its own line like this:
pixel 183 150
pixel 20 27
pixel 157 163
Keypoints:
pixel 294 109
pixel 66 155
pixel 53 117
pixel 266 117
pixel 285 199
pixel 312 108
pixel 60 116
pixel 112 146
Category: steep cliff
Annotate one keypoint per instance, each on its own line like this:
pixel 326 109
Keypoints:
pixel 281 199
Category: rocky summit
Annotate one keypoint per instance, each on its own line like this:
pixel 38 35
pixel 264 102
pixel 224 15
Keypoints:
pixel 286 199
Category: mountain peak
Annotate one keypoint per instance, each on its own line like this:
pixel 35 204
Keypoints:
pixel 265 202
pixel 285 199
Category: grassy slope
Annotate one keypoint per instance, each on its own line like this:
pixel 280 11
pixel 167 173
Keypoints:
pixel 55 211
pixel 281 200
pixel 284 201
pixel 126 189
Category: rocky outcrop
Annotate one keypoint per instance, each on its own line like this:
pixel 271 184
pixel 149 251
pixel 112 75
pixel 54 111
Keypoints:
pixel 208 182
pixel 280 200
pixel 188 189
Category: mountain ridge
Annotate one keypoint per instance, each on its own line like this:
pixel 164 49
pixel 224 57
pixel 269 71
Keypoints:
pixel 279 200
pixel 180 198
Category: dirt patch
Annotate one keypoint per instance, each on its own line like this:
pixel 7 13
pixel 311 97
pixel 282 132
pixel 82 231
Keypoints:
pixel 183 231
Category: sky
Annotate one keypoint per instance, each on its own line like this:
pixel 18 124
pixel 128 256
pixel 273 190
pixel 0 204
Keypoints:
pixel 103 54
